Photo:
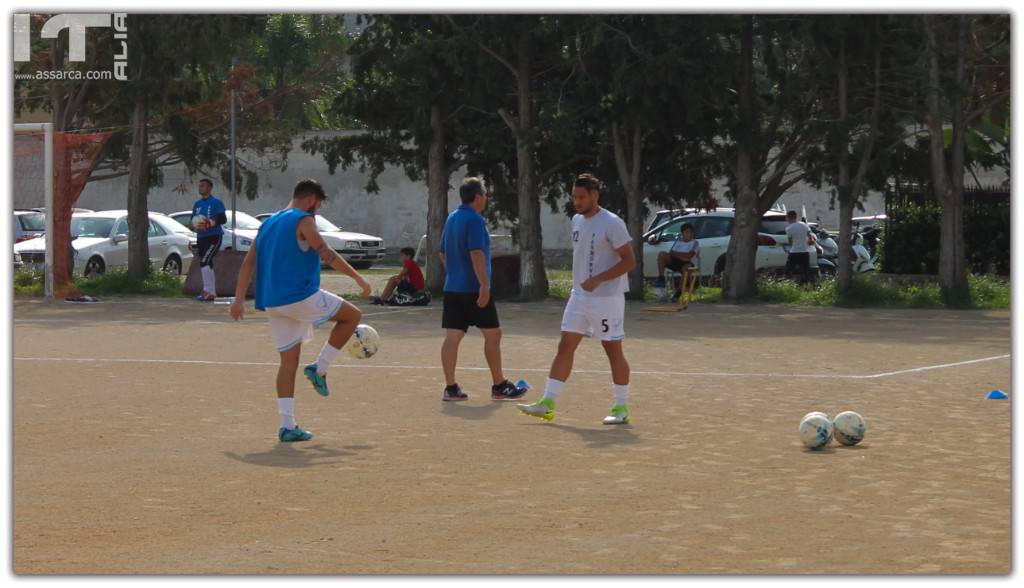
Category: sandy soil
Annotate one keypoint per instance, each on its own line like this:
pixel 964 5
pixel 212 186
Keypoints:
pixel 131 459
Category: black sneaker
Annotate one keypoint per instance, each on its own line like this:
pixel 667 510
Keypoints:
pixel 507 391
pixel 453 392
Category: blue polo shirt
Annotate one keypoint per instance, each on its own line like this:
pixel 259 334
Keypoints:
pixel 211 208
pixel 464 231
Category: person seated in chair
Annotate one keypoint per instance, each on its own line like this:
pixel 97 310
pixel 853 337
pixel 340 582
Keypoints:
pixel 408 281
pixel 685 253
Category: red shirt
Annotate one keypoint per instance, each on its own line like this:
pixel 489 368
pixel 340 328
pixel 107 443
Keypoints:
pixel 413 274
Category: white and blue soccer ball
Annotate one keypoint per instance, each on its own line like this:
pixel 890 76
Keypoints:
pixel 816 430
pixel 364 342
pixel 849 428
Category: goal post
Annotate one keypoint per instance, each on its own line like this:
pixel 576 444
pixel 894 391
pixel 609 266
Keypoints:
pixel 41 174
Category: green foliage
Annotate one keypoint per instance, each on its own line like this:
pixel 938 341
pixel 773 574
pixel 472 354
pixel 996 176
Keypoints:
pixel 111 283
pixel 121 283
pixel 28 283
pixel 872 291
pixel 913 237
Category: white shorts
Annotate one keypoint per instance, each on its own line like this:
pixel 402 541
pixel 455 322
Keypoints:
pixel 293 324
pixel 603 315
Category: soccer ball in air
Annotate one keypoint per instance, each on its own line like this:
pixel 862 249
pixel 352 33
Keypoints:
pixel 364 342
pixel 816 430
pixel 849 428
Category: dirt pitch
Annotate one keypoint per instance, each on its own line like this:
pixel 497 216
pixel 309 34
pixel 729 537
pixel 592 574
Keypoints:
pixel 144 442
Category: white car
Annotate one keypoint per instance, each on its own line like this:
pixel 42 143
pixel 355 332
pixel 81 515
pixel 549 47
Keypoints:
pixel 712 230
pixel 500 245
pixel 246 227
pixel 360 250
pixel 28 224
pixel 100 242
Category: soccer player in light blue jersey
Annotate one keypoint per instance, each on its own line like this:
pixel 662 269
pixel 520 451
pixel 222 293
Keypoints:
pixel 286 257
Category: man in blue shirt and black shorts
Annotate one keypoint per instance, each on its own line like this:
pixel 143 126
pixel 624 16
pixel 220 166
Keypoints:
pixel 211 213
pixel 465 250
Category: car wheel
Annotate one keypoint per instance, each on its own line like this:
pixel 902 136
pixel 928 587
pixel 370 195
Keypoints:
pixel 94 267
pixel 173 265
pixel 362 265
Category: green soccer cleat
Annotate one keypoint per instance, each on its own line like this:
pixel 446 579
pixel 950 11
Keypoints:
pixel 543 408
pixel 296 434
pixel 319 382
pixel 619 416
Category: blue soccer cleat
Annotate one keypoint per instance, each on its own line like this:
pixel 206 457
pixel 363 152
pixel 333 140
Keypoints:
pixel 319 382
pixel 291 435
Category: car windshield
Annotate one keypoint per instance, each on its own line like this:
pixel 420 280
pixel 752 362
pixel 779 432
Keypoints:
pixel 324 225
pixel 33 221
pixel 242 221
pixel 91 226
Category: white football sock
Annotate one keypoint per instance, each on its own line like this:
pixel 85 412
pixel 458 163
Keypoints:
pixel 208 283
pixel 621 392
pixel 327 355
pixel 553 388
pixel 286 408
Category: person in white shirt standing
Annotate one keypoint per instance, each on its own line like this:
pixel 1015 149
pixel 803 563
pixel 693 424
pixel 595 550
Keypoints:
pixel 800 241
pixel 602 255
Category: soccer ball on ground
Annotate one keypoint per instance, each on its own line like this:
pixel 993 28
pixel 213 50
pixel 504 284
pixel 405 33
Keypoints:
pixel 816 430
pixel 364 342
pixel 849 428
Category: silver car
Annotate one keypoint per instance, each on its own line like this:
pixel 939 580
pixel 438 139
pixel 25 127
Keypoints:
pixel 100 242
pixel 360 250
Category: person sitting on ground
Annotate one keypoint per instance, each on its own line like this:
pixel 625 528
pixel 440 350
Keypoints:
pixel 685 252
pixel 408 281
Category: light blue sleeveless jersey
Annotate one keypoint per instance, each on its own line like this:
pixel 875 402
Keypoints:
pixel 285 274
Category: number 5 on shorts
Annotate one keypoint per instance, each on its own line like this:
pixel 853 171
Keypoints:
pixel 604 325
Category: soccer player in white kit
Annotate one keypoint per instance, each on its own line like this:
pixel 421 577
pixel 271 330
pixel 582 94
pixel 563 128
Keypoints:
pixel 602 255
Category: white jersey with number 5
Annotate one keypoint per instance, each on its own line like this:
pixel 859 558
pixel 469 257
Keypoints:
pixel 594 244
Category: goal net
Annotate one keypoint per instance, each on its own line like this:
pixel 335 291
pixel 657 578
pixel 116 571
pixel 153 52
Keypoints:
pixel 50 170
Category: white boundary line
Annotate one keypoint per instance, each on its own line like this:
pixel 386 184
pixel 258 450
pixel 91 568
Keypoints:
pixel 434 367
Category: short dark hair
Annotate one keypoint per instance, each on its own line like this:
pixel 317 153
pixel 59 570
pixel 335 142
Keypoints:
pixel 685 226
pixel 791 214
pixel 408 251
pixel 471 186
pixel 309 187
pixel 587 181
pixel 207 180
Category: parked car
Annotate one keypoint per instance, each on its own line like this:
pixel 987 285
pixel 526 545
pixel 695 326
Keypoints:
pixel 246 227
pixel 28 224
pixel 500 245
pixel 100 242
pixel 713 231
pixel 360 250
pixel 662 216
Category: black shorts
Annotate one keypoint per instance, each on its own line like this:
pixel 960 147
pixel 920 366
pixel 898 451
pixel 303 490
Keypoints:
pixel 406 287
pixel 675 264
pixel 461 312
pixel 206 248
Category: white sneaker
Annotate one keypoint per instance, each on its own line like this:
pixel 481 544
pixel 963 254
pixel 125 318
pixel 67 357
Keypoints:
pixel 543 408
pixel 619 416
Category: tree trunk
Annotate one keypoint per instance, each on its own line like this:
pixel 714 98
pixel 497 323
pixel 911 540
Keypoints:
pixel 738 279
pixel 533 280
pixel 138 189
pixel 948 184
pixel 437 200
pixel 846 198
pixel 629 175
